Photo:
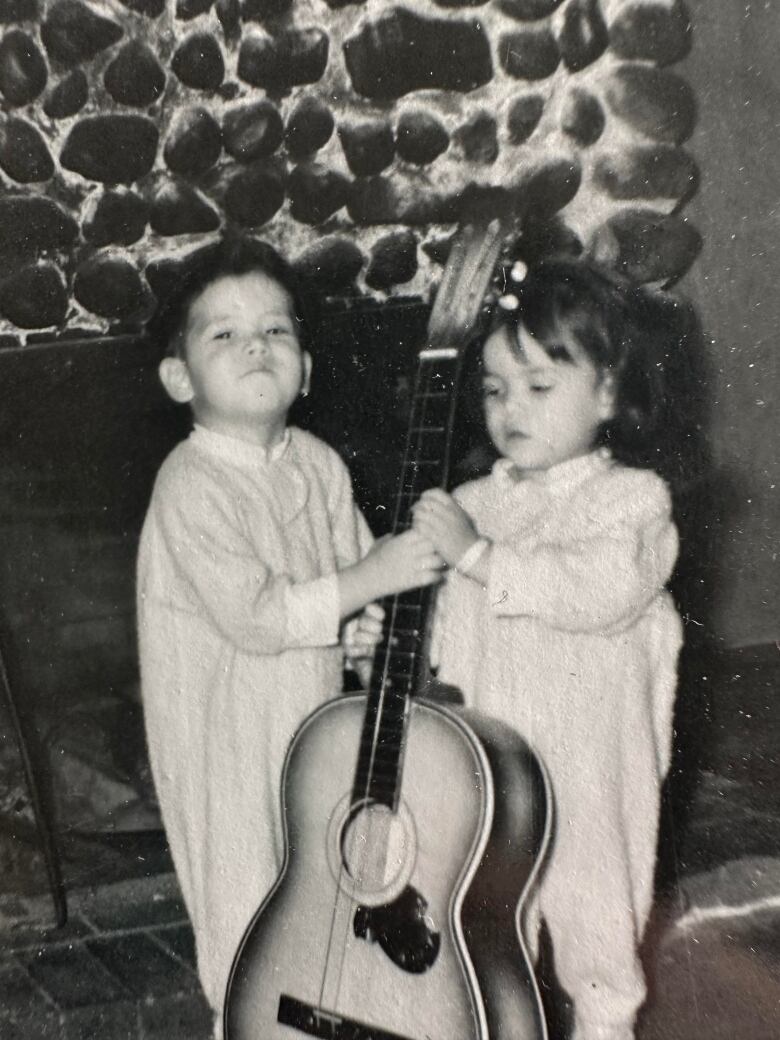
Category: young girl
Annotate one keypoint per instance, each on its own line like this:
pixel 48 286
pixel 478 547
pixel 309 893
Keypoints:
pixel 555 618
pixel 252 555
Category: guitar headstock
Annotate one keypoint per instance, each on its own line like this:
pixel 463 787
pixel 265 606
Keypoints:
pixel 467 275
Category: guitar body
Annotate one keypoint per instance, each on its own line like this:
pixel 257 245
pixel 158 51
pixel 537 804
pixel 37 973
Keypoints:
pixel 398 925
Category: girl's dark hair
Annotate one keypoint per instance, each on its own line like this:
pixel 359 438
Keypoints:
pixel 629 333
pixel 233 255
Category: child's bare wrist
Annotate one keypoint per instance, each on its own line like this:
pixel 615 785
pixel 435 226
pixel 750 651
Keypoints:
pixel 472 556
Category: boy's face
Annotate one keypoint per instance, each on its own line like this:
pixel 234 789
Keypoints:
pixel 243 365
pixel 541 411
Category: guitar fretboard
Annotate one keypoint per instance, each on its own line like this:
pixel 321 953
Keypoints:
pixel 398 661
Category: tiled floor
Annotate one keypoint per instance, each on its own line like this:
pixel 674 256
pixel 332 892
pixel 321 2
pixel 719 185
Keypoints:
pixel 122 969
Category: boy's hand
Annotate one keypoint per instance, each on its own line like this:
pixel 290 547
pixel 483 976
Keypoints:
pixel 363 632
pixel 440 519
pixel 395 564
pixel 404 561
pixel 360 639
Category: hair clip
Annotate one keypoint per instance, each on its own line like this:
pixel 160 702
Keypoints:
pixel 519 271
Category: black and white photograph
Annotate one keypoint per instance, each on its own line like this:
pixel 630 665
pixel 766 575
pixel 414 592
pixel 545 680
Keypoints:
pixel 389 595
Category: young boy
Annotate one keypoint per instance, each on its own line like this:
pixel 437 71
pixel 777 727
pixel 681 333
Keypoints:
pixel 252 555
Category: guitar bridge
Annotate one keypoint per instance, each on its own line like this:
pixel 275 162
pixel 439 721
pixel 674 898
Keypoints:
pixel 314 1021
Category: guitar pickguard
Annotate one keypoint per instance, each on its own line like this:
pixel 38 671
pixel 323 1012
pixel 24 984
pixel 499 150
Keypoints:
pixel 402 930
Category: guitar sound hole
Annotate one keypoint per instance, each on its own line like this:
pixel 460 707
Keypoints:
pixel 375 847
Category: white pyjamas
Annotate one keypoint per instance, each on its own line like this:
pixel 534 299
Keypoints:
pixel 238 618
pixel 574 642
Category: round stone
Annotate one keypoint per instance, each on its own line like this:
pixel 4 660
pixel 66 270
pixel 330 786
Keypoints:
pixel 523 117
pixel 393 260
pixel 656 102
pixel 229 15
pixel 12 11
pixel 110 287
pixel 582 117
pixel 194 142
pixel 23 152
pixel 399 51
pixel 34 298
pixel 252 131
pixel 529 53
pixel 309 127
pixel 186 9
pixel 377 200
pixel 22 68
pixel 73 33
pixel 115 149
pixel 528 10
pixel 316 192
pixel 478 138
pixel 546 238
pixel 651 247
pixel 374 200
pixel 420 137
pixel 651 32
pixel 662 171
pixel 255 193
pixel 583 36
pixel 331 266
pixel 68 96
pixel 277 63
pixel 118 218
pixel 198 62
pixel 438 248
pixel 135 77
pixel 261 10
pixel 177 209
pixel 368 146
pixel 440 3
pixel 150 8
pixel 544 187
pixel 33 225
pixel 163 276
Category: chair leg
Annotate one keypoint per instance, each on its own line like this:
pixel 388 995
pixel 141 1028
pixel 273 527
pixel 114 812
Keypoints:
pixel 42 821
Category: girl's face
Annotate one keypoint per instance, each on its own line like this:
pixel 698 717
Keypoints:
pixel 542 410
pixel 244 364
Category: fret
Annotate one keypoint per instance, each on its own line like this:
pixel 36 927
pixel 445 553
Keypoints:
pixel 397 662
pixel 396 652
pixel 384 756
pixel 404 602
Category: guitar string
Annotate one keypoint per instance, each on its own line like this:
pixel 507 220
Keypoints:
pixel 415 420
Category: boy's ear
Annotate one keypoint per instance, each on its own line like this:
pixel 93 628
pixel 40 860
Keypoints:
pixel 175 377
pixel 307 363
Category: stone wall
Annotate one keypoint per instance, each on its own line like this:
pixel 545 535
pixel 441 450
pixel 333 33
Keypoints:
pixel 349 134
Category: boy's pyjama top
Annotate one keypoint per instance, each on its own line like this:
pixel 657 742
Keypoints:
pixel 238 618
pixel 574 643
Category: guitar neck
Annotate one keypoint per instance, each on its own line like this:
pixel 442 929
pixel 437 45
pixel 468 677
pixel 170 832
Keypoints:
pixel 398 663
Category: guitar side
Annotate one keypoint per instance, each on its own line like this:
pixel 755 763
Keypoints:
pixel 519 840
pixel 306 967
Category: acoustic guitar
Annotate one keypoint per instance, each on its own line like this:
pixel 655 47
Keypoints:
pixel 412 831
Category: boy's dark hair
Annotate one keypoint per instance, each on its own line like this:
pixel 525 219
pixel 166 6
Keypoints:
pixel 231 255
pixel 632 334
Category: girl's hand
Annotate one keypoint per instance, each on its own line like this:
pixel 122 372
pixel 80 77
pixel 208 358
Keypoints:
pixel 440 519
